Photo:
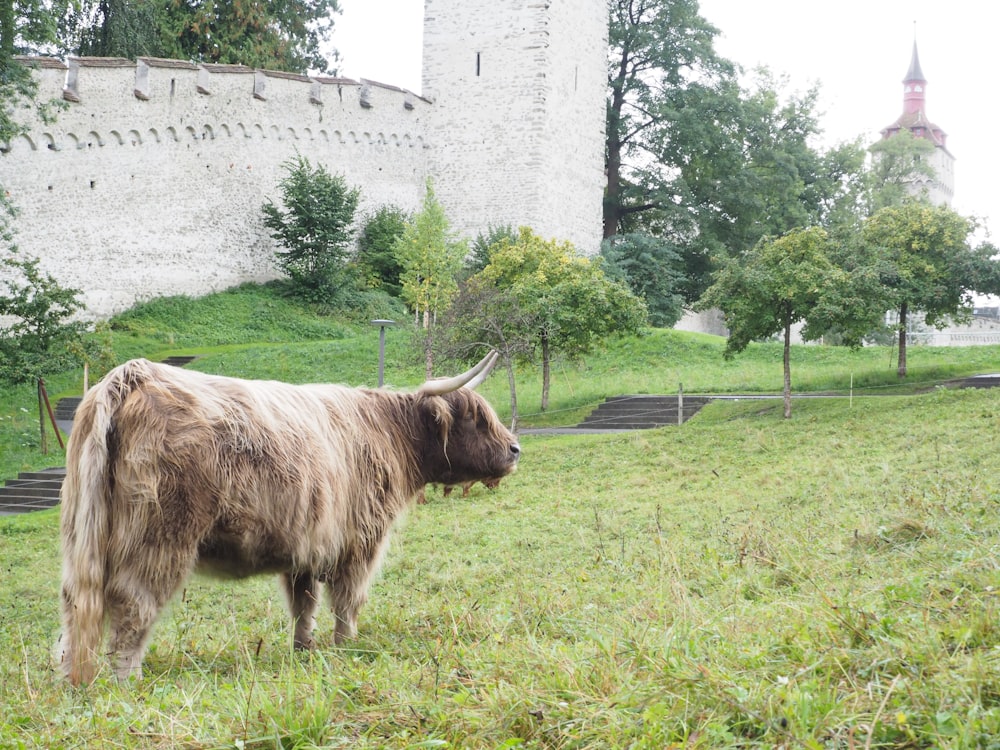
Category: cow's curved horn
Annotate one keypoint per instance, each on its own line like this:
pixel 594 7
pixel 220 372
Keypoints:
pixel 470 378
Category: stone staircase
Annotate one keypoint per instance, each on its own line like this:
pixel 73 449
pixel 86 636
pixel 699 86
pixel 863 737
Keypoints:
pixel 37 490
pixel 32 490
pixel 981 381
pixel 641 412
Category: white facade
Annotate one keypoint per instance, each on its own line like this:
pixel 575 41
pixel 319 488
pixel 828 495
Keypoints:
pixel 151 182
pixel 517 123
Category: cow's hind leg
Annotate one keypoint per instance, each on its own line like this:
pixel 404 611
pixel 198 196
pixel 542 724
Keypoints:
pixel 302 590
pixel 136 595
pixel 348 587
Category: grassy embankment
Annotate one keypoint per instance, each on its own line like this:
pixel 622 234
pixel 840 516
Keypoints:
pixel 743 581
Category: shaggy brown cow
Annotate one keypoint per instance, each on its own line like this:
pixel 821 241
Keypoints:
pixel 170 471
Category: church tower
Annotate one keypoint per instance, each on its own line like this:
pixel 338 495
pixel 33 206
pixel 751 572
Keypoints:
pixel 941 187
pixel 516 126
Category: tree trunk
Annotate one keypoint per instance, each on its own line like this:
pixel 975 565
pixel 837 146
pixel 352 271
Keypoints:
pixel 546 354
pixel 901 368
pixel 788 370
pixel 513 393
pixel 7 23
pixel 429 351
pixel 613 143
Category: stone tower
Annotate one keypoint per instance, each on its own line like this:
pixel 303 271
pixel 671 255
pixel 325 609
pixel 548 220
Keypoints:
pixel 516 130
pixel 941 187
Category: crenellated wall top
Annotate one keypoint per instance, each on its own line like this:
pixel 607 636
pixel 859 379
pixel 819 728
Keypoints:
pixel 154 95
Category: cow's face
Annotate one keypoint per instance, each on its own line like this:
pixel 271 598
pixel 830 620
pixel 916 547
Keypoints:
pixel 465 440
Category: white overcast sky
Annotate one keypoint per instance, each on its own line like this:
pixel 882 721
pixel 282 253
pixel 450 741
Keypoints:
pixel 857 50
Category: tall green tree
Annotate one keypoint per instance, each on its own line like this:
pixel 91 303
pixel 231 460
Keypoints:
pixel 782 282
pixel 653 269
pixel 696 159
pixel 931 265
pixel 281 35
pixel 114 28
pixel 288 35
pixel 565 297
pixel 661 65
pixel 899 164
pixel 315 229
pixel 431 259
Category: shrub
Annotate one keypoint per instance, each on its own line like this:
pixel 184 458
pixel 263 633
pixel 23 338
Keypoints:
pixel 376 257
pixel 36 336
pixel 315 230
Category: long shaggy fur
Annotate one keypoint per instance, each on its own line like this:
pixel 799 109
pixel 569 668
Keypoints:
pixel 169 471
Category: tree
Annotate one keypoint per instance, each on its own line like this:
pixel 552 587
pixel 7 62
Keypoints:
pixel 430 258
pixel 113 28
pixel 315 229
pixel 376 244
pixel 653 269
pixel 898 165
pixel 931 266
pixel 697 160
pixel 36 333
pixel 482 247
pixel 483 314
pixel 286 35
pixel 283 35
pixel 661 61
pixel 778 284
pixel 565 297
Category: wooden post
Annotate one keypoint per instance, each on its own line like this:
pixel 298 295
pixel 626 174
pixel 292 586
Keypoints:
pixel 41 420
pixel 680 404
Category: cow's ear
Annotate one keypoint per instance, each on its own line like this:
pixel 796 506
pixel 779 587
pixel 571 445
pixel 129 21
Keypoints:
pixel 440 411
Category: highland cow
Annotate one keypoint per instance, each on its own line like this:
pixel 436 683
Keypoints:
pixel 171 471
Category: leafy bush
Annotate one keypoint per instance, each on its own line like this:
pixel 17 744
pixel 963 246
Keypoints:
pixel 35 335
pixel 315 230
pixel 376 257
pixel 481 248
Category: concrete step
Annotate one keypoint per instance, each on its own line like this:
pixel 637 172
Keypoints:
pixel 641 412
pixel 66 407
pixel 32 490
pixel 982 381
pixel 15 504
pixel 179 360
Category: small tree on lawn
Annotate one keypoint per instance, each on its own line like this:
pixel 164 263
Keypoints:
pixel 932 267
pixel 36 333
pixel 430 259
pixel 564 297
pixel 779 283
pixel 485 316
pixel 315 230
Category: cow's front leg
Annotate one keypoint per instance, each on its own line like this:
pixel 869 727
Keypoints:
pixel 303 596
pixel 348 586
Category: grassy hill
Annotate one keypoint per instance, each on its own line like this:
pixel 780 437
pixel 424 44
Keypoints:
pixel 828 581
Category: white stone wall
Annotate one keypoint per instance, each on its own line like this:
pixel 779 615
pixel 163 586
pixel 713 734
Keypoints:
pixel 152 182
pixel 517 127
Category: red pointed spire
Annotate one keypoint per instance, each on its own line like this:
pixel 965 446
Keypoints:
pixel 914 85
pixel 914 117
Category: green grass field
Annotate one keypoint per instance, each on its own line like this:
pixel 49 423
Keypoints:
pixel 829 581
